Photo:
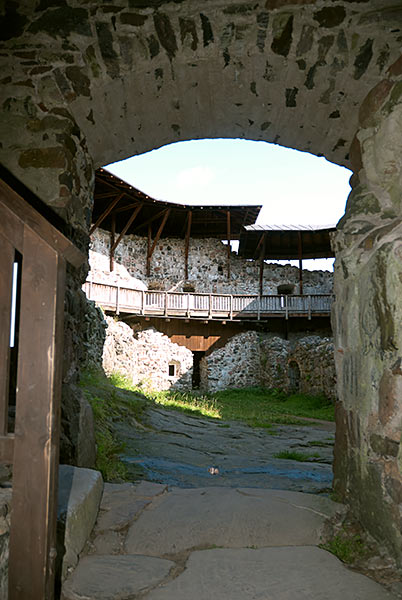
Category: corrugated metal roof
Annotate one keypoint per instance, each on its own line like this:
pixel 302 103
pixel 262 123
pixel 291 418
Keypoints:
pixel 258 227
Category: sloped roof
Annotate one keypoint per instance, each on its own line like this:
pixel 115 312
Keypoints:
pixel 286 241
pixel 206 221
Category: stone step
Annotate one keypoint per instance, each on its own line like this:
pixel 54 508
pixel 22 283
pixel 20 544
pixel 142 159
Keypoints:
pixel 80 493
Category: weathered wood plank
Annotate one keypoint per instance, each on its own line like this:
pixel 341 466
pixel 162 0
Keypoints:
pixel 6 279
pixel 33 548
pixel 7 449
pixel 37 223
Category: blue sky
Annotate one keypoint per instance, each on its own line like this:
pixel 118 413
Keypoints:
pixel 293 187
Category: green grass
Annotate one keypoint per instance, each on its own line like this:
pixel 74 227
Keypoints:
pixel 294 455
pixel 109 405
pixel 348 548
pixel 257 407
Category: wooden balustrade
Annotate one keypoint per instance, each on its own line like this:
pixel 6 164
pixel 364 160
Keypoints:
pixel 211 306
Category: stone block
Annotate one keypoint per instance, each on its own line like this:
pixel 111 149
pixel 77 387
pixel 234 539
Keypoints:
pixel 80 492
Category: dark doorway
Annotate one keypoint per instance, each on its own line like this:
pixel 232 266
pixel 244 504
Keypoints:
pixel 197 356
pixel 294 376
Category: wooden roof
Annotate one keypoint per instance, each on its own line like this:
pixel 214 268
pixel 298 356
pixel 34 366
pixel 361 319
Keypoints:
pixel 121 201
pixel 286 241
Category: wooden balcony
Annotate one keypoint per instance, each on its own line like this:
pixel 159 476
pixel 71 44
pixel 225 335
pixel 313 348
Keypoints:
pixel 120 299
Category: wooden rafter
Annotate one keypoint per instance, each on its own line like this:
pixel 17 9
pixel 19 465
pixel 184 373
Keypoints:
pixel 152 219
pixel 126 226
pixel 127 207
pixel 187 243
pixel 105 213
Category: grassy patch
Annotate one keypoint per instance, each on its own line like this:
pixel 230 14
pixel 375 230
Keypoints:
pixel 110 404
pixel 348 548
pixel 255 406
pixel 299 456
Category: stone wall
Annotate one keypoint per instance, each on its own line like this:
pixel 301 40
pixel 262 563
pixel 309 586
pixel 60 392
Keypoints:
pixel 236 365
pixel 207 267
pixel 5 511
pixel 256 359
pixel 146 357
pixel 368 320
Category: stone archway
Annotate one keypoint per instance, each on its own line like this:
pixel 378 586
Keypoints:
pixel 90 83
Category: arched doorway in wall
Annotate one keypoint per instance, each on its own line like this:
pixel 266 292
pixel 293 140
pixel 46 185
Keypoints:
pixel 131 82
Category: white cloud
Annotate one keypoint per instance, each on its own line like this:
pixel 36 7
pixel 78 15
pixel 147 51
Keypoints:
pixel 195 176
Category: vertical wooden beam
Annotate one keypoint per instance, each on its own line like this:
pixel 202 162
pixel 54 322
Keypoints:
pixel 37 431
pixel 187 243
pixel 112 236
pixel 262 254
pixel 228 235
pixel 156 240
pixel 149 250
pixel 6 280
pixel 300 252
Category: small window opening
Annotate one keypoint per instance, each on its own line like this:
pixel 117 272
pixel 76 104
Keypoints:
pixel 172 370
pixel 188 287
pixel 286 289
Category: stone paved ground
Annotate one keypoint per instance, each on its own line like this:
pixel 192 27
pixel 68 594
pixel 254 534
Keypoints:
pixel 178 450
pixel 155 543
pixel 226 537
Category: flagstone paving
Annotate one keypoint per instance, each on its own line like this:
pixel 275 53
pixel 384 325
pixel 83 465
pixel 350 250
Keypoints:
pixel 155 543
pixel 218 517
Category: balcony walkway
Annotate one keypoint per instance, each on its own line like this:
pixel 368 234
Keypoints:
pixel 120 299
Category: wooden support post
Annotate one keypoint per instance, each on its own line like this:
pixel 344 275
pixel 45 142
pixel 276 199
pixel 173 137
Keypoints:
pixel 156 240
pixel 105 214
pixel 228 234
pixel 300 252
pixel 187 243
pixel 112 235
pixel 149 250
pixel 6 280
pixel 262 255
pixel 33 550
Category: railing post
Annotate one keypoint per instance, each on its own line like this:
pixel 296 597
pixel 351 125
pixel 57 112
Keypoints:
pixel 117 299
pixel 166 304
pixel 231 307
pixel 210 307
pixel 188 305
pixel 309 307
pixel 259 308
pixel 286 307
pixel 142 301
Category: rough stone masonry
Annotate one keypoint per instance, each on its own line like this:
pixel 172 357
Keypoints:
pixel 88 83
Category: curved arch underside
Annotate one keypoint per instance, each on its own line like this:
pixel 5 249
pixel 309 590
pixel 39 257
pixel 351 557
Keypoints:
pixel 236 69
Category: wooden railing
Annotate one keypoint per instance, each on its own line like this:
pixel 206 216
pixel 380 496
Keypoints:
pixel 211 306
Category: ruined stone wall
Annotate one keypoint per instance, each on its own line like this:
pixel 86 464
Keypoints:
pixel 255 359
pixel 144 357
pixel 236 365
pixel 368 320
pixel 207 267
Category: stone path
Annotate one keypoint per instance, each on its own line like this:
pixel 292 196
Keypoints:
pixel 178 449
pixel 155 543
